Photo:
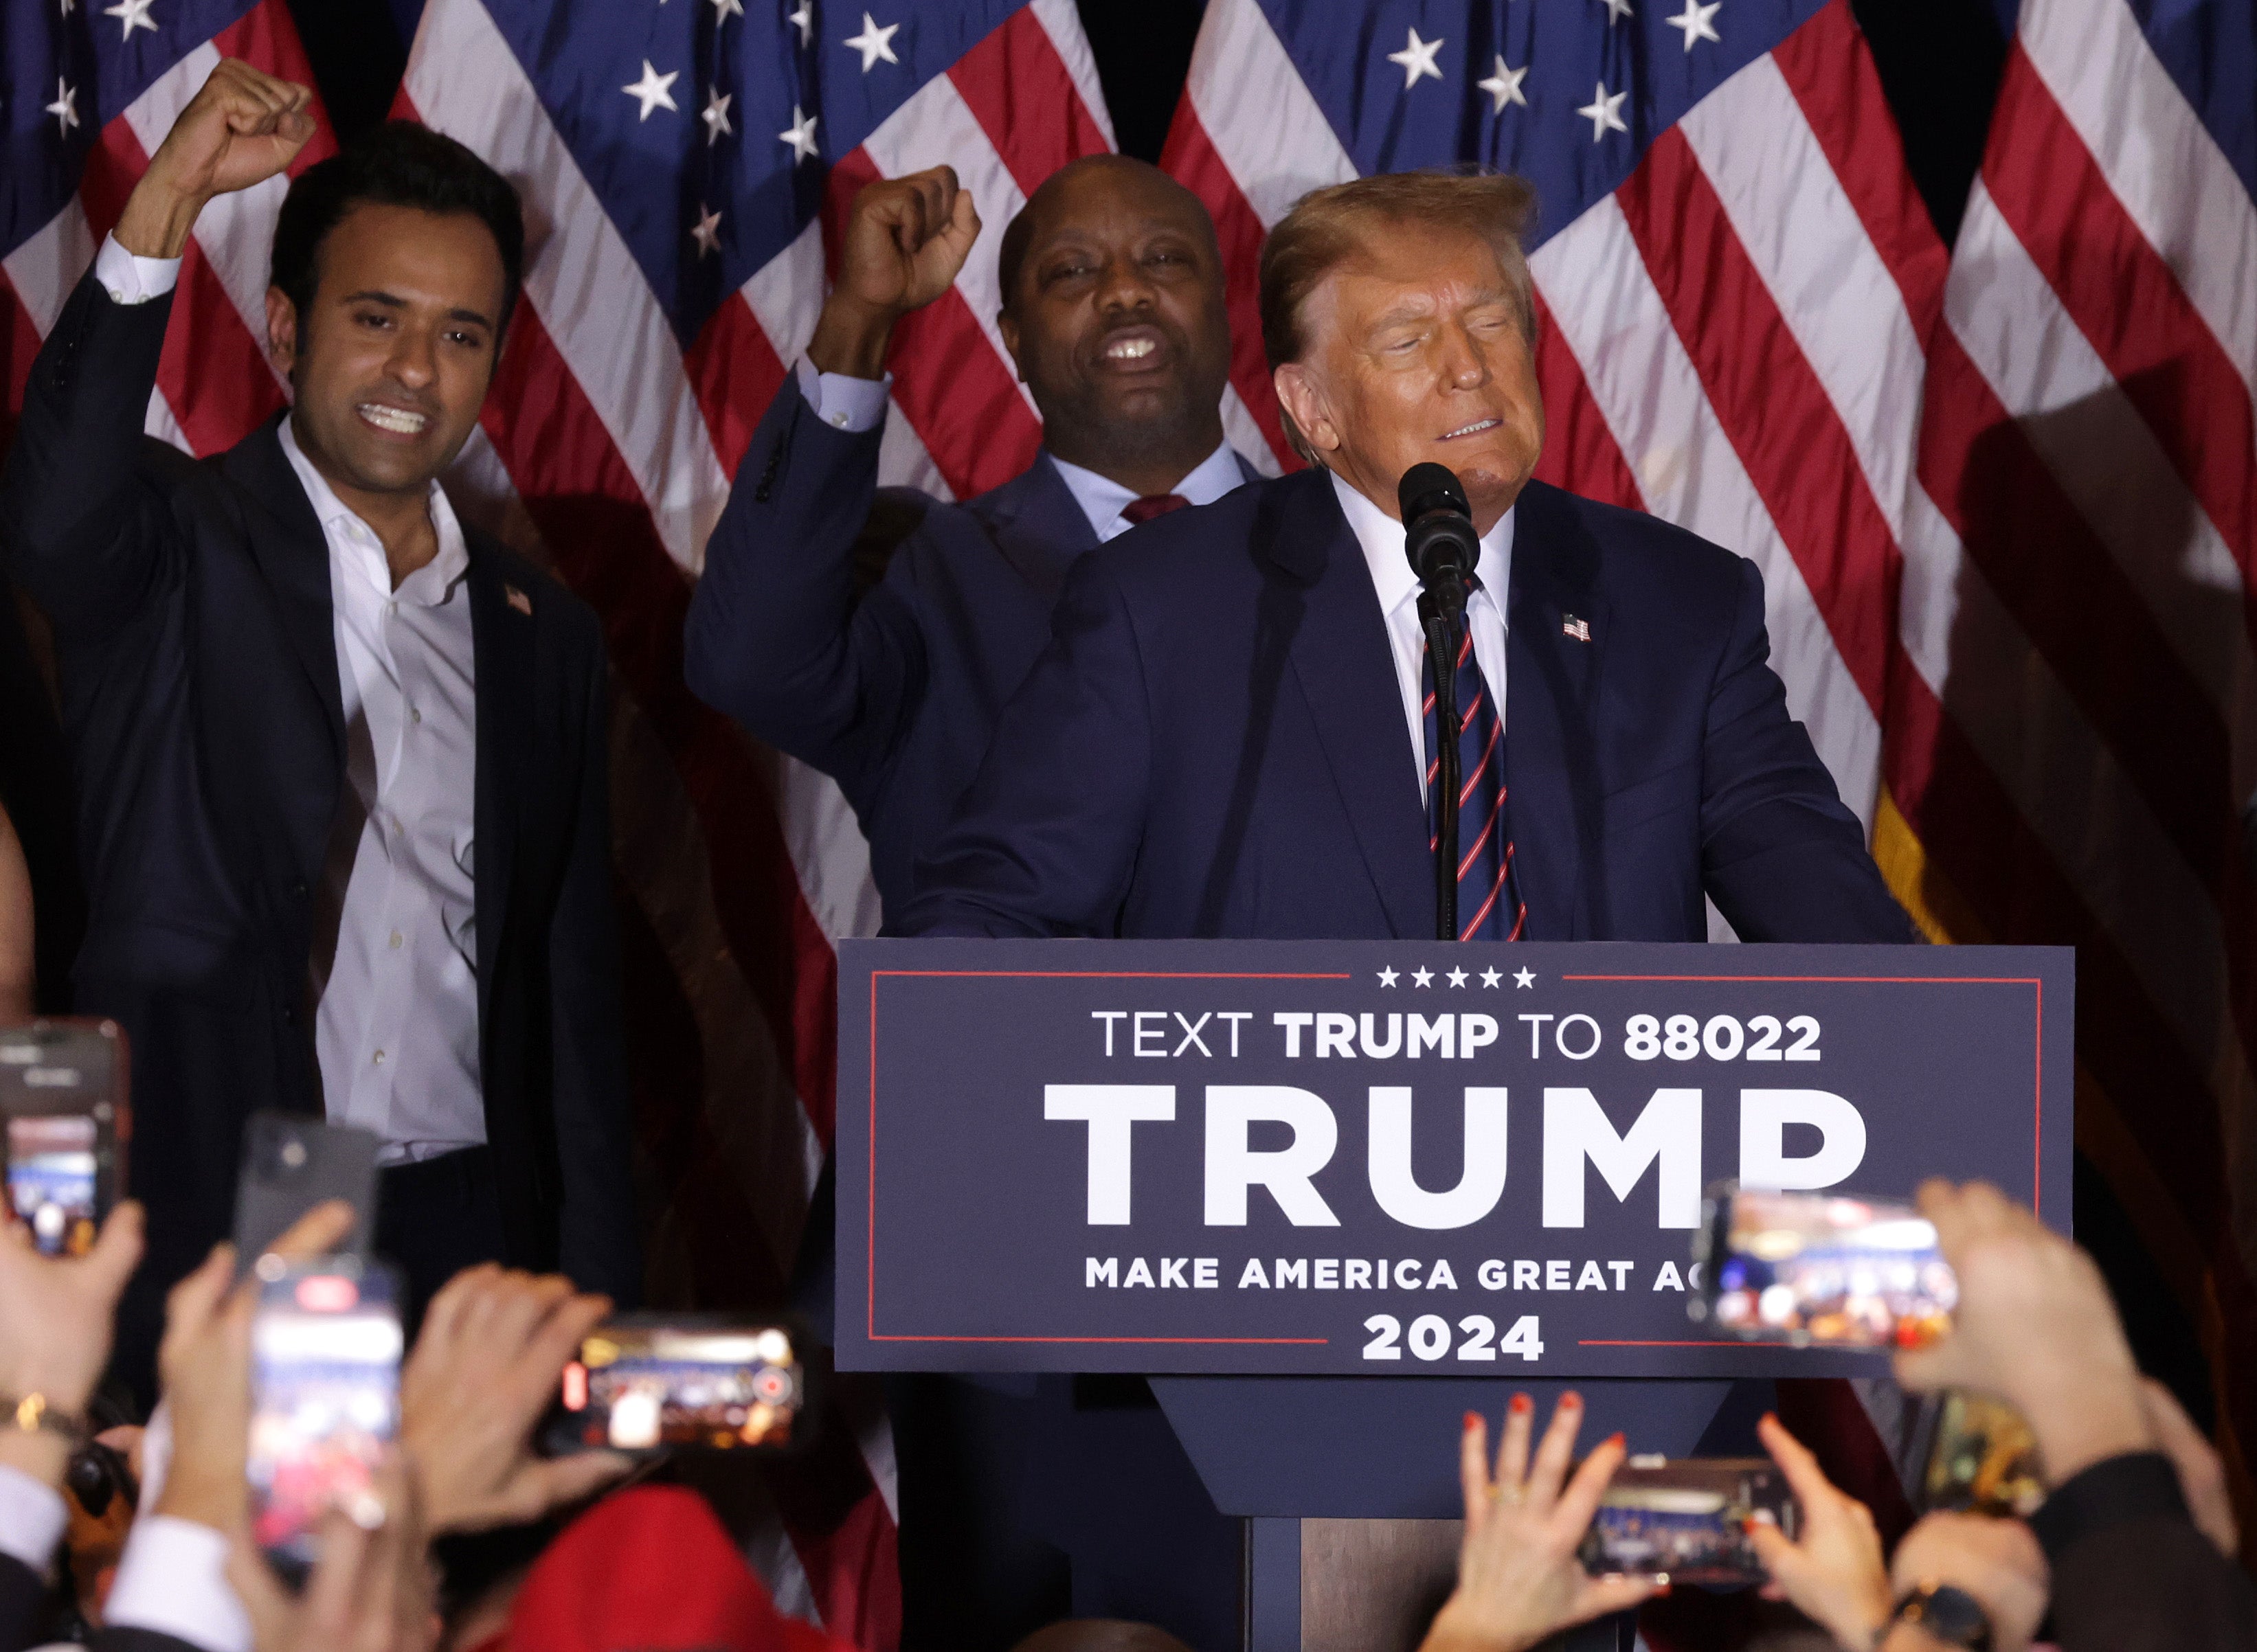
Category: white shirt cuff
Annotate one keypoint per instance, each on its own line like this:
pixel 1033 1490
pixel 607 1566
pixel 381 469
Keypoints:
pixel 131 278
pixel 851 405
pixel 172 1578
pixel 31 1518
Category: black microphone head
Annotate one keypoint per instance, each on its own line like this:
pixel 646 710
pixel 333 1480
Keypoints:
pixel 1430 487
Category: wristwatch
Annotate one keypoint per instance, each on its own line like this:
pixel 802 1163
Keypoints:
pixel 1944 1614
pixel 33 1415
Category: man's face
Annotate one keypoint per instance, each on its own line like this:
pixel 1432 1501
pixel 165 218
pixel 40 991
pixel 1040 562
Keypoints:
pixel 1418 352
pixel 392 360
pixel 1118 324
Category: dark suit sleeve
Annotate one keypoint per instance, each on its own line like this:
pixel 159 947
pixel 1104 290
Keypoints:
pixel 775 636
pixel 1781 855
pixel 86 531
pixel 2131 1570
pixel 21 1592
pixel 597 1243
pixel 1045 838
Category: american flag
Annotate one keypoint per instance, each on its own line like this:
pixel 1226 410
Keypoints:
pixel 2004 496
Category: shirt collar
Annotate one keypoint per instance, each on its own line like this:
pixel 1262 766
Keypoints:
pixel 354 543
pixel 1381 536
pixel 1102 499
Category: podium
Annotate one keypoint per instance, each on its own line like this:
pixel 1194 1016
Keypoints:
pixel 1329 1196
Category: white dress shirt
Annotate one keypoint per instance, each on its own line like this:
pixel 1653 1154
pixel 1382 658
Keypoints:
pixel 396 1030
pixel 32 1518
pixel 859 405
pixel 1381 536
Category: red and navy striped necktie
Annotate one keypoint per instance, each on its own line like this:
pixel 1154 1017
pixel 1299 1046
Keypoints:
pixel 1490 908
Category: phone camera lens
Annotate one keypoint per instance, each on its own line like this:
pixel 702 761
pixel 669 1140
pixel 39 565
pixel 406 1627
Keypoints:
pixel 293 1154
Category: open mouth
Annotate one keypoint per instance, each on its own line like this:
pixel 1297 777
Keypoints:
pixel 1473 429
pixel 397 421
pixel 1132 350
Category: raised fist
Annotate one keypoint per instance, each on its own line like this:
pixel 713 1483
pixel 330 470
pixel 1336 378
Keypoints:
pixel 905 240
pixel 240 129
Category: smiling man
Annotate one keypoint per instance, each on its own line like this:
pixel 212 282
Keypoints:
pixel 341 759
pixel 1113 311
pixel 1230 735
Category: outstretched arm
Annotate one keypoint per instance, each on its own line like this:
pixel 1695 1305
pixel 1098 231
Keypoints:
pixel 775 636
pixel 84 535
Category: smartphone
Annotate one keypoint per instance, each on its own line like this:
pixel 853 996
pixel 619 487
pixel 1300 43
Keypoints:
pixel 647 1382
pixel 63 1105
pixel 291 1164
pixel 325 1347
pixel 1984 1460
pixel 1687 1522
pixel 1821 1269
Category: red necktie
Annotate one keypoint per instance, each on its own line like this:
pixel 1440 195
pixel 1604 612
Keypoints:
pixel 1142 510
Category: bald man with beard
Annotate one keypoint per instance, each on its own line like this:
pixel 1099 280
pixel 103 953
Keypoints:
pixel 1021 1499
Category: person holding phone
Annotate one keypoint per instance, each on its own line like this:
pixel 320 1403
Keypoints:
pixel 342 757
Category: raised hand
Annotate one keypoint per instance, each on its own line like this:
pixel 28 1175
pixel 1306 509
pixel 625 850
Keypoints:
pixel 905 240
pixel 1519 1579
pixel 1834 1572
pixel 2035 1327
pixel 371 1590
pixel 482 1370
pixel 56 1316
pixel 240 129
pixel 1996 1561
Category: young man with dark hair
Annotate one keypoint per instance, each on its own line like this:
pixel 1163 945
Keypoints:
pixel 343 798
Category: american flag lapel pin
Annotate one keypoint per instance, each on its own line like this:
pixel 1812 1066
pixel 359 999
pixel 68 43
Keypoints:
pixel 518 600
pixel 1579 629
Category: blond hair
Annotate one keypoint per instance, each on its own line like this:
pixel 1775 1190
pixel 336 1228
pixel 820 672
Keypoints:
pixel 1327 226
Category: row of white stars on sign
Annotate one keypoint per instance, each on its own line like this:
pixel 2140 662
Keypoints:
pixel 1603 111
pixel 1491 977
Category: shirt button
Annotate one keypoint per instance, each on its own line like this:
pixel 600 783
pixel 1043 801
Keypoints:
pixel 397 940
pixel 379 1058
pixel 838 419
pixel 414 714
pixel 398 827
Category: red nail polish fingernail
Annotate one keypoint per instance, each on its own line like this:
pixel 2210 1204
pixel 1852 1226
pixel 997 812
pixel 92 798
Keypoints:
pixel 1616 1439
pixel 1521 1404
pixel 1571 1398
pixel 1473 1421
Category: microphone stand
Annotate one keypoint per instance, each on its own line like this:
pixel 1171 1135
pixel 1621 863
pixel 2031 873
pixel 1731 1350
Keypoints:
pixel 1439 618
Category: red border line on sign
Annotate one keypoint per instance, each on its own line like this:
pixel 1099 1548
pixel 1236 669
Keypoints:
pixel 870 1298
pixel 1731 1342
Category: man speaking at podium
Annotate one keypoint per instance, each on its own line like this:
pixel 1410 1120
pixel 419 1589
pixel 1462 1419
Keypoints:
pixel 1233 734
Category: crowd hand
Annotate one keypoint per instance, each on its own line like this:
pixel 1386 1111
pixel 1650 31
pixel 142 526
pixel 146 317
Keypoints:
pixel 56 1319
pixel 2034 1326
pixel 2201 1473
pixel 240 129
pixel 1834 1572
pixel 1518 1577
pixel 1996 1561
pixel 905 240
pixel 205 1364
pixel 372 1590
pixel 482 1370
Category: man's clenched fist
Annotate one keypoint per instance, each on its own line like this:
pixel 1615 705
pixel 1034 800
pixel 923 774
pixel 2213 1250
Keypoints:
pixel 906 238
pixel 241 129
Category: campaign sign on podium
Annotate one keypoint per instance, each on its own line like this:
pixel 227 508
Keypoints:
pixel 1385 1158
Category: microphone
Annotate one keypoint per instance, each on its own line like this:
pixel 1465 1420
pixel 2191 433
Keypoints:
pixel 1437 534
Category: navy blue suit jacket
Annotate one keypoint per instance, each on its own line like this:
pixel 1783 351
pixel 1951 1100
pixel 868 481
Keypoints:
pixel 1214 746
pixel 893 692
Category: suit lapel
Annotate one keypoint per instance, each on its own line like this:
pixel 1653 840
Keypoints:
pixel 294 557
pixel 1550 686
pixel 1344 665
pixel 502 630
pixel 1039 527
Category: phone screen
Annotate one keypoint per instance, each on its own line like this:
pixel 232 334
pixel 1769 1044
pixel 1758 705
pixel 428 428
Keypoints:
pixel 1813 1267
pixel 1687 1522
pixel 53 1172
pixel 325 1396
pixel 637 1387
